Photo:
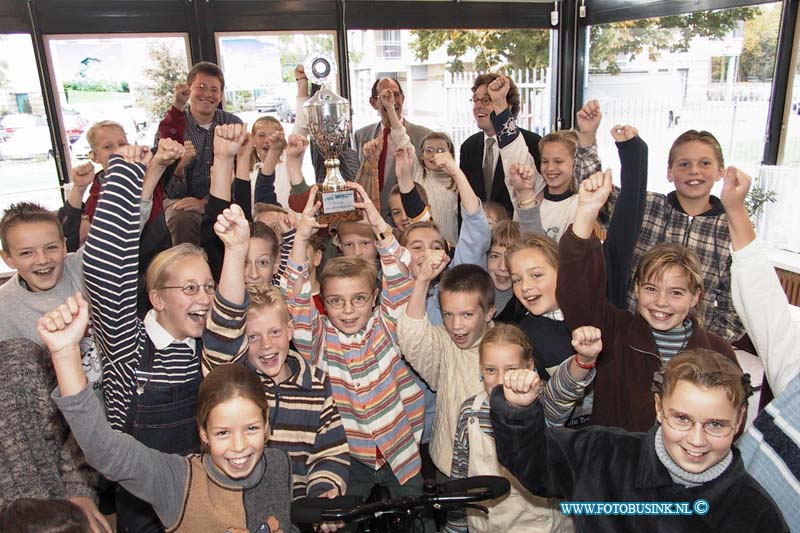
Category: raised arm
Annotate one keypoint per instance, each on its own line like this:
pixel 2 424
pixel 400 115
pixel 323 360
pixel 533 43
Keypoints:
pixel 265 182
pixel 527 209
pixel 69 215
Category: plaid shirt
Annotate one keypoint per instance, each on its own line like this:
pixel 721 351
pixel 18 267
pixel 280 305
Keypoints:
pixel 708 236
pixel 380 404
pixel 182 126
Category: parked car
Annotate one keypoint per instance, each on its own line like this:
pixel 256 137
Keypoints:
pixel 27 143
pixel 276 105
pixel 18 121
pixel 74 124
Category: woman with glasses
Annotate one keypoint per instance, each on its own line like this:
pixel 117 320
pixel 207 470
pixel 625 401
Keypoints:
pixel 151 367
pixel 682 475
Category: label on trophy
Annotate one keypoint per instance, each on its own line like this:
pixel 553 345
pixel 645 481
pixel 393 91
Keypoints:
pixel 338 202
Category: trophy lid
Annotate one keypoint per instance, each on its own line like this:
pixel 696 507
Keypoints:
pixel 320 68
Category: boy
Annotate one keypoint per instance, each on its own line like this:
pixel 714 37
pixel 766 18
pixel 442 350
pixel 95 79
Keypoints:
pixel 381 406
pixel 304 420
pixel 446 357
pixel 355 239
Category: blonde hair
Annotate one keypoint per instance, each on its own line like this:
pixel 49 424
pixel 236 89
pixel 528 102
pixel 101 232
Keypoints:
pixel 569 138
pixel 706 369
pixel 264 296
pixel 260 123
pixel 158 270
pixel 263 207
pixel 660 258
pixel 349 267
pixel 541 243
pixel 495 209
pixel 94 131
pixel 506 233
pixel 701 136
pixel 507 334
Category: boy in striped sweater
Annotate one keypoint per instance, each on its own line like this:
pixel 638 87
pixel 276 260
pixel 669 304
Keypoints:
pixel 381 406
pixel 303 418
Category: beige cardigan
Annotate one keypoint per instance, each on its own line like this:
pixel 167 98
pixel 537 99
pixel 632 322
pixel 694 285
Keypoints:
pixel 452 372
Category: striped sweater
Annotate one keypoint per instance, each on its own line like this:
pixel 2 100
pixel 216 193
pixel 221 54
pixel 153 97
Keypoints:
pixel 303 418
pixel 381 405
pixel 110 265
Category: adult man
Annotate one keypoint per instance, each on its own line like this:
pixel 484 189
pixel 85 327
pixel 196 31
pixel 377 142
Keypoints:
pixel 480 154
pixel 187 191
pixel 386 175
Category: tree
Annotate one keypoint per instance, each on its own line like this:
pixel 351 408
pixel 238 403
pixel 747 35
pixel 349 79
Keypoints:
pixel 526 49
pixel 760 44
pixel 167 68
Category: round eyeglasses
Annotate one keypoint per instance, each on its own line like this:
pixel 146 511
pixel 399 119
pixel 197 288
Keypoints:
pixel 190 289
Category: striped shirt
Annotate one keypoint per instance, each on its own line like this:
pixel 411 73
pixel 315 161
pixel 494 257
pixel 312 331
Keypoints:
pixel 111 261
pixel 380 404
pixel 303 418
pixel 672 342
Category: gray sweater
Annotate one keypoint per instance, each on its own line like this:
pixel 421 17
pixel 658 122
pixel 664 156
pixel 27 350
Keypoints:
pixel 161 479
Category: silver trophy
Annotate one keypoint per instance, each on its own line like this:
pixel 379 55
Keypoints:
pixel 329 123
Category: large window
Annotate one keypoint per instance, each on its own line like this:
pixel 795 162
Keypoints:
pixel 437 67
pixel 710 70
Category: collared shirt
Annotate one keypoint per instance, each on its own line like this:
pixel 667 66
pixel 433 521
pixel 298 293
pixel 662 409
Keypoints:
pixel 161 337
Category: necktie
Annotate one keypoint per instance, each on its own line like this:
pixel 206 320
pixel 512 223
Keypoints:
pixel 382 158
pixel 488 166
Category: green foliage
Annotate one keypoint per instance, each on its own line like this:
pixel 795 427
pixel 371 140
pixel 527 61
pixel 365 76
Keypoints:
pixel 652 36
pixel 494 48
pixel 760 43
pixel 757 198
pixel 167 69
pixel 96 86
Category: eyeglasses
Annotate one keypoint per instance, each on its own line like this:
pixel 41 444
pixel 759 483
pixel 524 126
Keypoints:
pixel 714 428
pixel 190 289
pixel 337 302
pixel 484 101
pixel 203 88
pixel 432 150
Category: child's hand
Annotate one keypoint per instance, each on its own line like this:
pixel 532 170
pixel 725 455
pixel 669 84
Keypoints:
pixel 64 327
pixel 276 141
pixel 372 149
pixel 233 229
pixel 296 147
pixel 330 527
pixel 589 117
pixel 522 180
pixel 588 343
pixel 308 220
pixel 228 138
pixel 734 190
pixel 245 151
pixel 403 161
pixel 370 211
pixel 287 222
pixel 624 133
pixel 189 153
pixel 97 521
pixel 498 91
pixel 168 152
pixel 82 175
pixel 182 93
pixel 433 263
pixel 446 163
pixel 594 191
pixel 134 153
pixel 386 99
pixel 521 387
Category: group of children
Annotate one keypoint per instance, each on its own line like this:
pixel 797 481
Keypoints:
pixel 284 359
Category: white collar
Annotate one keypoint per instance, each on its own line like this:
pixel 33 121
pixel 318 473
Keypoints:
pixel 161 337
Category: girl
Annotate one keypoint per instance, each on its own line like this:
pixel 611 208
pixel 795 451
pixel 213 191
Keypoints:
pixel 235 483
pixel 669 286
pixel 560 199
pixel 504 350
pixel 505 234
pixel 700 401
pixel 264 161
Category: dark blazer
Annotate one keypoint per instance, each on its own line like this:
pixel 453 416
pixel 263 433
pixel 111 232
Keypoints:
pixel 471 163
pixel 599 464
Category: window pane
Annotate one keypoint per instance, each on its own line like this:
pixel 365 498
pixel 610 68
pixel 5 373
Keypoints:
pixel 129 80
pixel 710 70
pixel 791 137
pixel 437 84
pixel 27 167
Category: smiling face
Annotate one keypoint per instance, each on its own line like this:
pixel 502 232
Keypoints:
pixel 482 111
pixel 695 450
pixel 261 133
pixel 398 212
pixel 418 241
pixel 499 358
pixel 235 433
pixel 107 141
pixel 180 314
pixel 205 96
pixel 259 267
pixel 665 302
pixel 37 251
pixel 557 167
pixel 463 317
pixel 496 266
pixel 694 170
pixel 269 334
pixel 429 151
pixel 534 279
pixel 349 292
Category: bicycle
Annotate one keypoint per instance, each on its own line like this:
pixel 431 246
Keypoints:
pixel 400 514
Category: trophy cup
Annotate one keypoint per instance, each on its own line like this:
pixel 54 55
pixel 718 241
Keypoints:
pixel 329 123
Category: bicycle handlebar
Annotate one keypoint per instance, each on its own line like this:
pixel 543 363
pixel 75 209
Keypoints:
pixel 350 508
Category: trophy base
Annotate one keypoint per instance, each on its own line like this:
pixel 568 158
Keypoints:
pixel 337 206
